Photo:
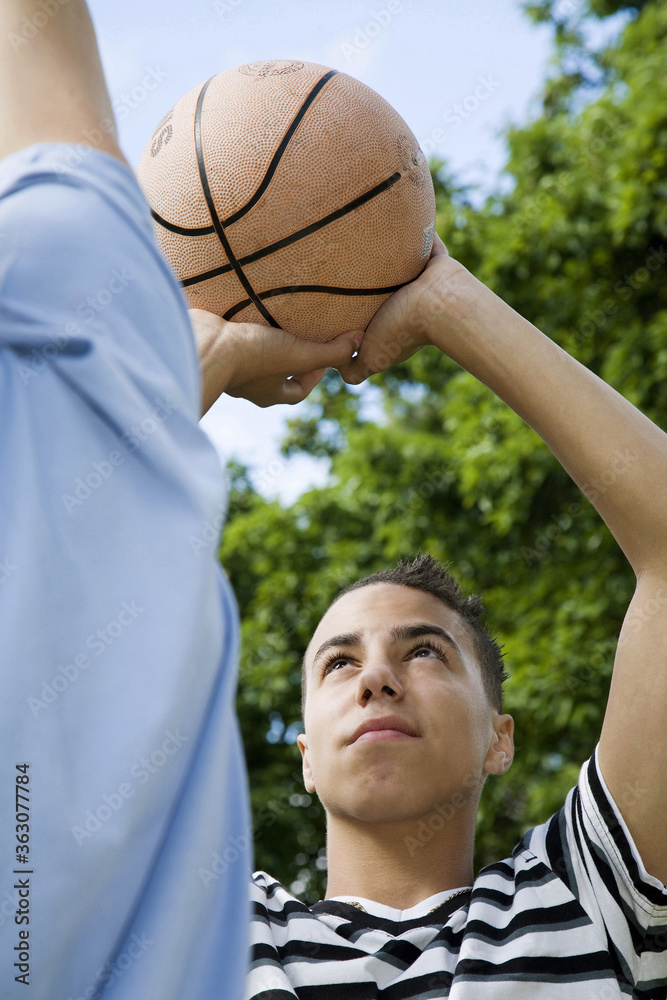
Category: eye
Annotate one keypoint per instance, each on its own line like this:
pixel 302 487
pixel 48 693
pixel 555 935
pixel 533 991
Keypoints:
pixel 429 649
pixel 333 662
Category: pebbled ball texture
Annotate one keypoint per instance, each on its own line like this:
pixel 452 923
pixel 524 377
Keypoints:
pixel 302 197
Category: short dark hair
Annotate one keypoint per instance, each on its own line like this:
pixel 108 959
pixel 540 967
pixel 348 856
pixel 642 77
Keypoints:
pixel 427 574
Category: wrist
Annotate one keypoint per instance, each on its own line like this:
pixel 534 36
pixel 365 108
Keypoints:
pixel 448 304
pixel 215 342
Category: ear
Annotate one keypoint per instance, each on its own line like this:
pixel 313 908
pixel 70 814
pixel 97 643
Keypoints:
pixel 302 742
pixel 501 750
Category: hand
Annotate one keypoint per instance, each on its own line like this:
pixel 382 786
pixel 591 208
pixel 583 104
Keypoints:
pixel 402 324
pixel 261 363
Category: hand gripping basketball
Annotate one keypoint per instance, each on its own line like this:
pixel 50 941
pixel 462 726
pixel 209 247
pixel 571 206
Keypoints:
pixel 408 319
pixel 260 363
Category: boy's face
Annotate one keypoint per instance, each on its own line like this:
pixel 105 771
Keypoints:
pixel 401 658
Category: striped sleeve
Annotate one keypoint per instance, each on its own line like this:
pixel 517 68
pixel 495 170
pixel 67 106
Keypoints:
pixel 267 979
pixel 590 847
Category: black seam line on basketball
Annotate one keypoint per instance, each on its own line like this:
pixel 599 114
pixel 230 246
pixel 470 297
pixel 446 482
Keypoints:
pixel 277 156
pixel 329 289
pixel 214 215
pixel 300 233
pixel 207 230
pixel 181 230
pixel 215 273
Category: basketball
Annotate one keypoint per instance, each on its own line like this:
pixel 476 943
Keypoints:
pixel 289 194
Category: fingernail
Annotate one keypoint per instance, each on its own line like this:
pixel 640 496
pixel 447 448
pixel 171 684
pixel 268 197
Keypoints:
pixel 357 341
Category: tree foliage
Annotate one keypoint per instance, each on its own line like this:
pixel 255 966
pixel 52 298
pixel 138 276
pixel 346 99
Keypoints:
pixel 578 247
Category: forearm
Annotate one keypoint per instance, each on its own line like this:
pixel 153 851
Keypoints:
pixel 615 454
pixel 51 78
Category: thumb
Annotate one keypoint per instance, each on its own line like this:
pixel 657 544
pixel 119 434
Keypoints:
pixel 356 371
pixel 332 354
pixel 439 248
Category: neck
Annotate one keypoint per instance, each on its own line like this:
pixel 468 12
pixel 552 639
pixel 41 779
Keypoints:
pixel 399 864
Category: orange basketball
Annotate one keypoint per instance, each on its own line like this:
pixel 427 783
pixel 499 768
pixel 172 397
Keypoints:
pixel 289 194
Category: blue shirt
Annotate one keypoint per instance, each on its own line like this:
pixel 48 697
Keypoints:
pixel 123 801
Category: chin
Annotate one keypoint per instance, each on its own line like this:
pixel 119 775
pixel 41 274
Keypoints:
pixel 387 800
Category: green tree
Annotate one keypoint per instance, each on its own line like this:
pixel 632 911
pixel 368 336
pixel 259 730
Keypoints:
pixel 576 247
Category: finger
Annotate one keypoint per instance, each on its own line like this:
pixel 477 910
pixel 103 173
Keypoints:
pixel 205 316
pixel 438 247
pixel 298 387
pixel 313 356
pixel 356 372
pixel 276 350
pixel 370 359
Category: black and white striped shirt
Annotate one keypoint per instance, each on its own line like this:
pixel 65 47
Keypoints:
pixel 572 915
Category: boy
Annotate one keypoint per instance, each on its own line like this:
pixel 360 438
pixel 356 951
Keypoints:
pixel 404 722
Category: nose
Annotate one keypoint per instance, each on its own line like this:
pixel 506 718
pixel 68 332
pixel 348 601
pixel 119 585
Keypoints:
pixel 378 679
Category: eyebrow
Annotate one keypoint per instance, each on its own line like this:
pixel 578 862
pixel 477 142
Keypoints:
pixel 407 632
pixel 344 639
pixel 400 633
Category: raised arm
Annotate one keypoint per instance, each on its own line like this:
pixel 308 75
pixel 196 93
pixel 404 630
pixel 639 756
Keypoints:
pixel 617 457
pixel 52 87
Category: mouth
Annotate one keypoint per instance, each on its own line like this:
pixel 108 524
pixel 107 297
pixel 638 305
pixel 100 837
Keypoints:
pixel 391 727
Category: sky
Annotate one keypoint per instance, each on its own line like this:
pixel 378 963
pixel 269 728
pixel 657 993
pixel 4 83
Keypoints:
pixel 457 72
